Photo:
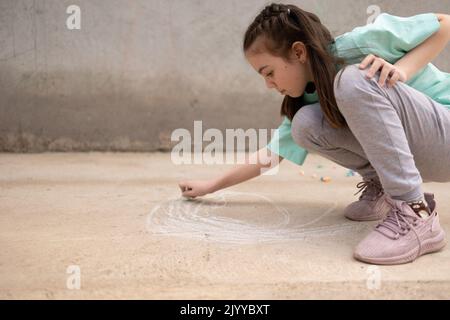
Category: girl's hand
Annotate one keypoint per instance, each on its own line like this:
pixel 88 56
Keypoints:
pixel 387 70
pixel 192 189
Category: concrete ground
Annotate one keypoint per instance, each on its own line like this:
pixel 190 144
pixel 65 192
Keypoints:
pixel 116 225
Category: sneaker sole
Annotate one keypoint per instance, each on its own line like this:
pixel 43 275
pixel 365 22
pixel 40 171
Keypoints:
pixel 367 218
pixel 429 246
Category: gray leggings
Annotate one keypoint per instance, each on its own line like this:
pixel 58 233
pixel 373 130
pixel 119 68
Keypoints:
pixel 398 135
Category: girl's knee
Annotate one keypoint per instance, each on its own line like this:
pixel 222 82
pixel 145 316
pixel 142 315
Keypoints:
pixel 307 123
pixel 348 82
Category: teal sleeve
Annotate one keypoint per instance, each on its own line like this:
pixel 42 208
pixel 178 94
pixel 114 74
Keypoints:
pixel 391 37
pixel 283 144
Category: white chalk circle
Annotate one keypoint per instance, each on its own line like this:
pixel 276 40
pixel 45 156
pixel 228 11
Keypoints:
pixel 256 219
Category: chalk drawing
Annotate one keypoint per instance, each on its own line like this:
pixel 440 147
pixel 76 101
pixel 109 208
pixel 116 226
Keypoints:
pixel 199 219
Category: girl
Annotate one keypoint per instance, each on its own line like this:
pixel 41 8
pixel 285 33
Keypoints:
pixel 390 123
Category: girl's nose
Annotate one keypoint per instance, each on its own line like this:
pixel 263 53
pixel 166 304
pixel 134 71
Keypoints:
pixel 270 84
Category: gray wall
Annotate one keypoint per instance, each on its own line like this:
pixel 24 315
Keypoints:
pixel 137 70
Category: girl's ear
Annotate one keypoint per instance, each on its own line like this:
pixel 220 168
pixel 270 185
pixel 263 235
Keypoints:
pixel 299 51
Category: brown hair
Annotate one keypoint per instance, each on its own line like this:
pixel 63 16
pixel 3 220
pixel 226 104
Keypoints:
pixel 280 26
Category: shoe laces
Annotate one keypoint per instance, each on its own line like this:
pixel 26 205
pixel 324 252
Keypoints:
pixel 399 223
pixel 370 189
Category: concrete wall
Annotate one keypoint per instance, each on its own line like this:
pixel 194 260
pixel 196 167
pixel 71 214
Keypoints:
pixel 137 70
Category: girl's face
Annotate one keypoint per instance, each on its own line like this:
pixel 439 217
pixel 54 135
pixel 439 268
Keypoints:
pixel 287 77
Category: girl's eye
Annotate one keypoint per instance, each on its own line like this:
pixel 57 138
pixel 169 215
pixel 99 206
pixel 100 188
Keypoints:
pixel 270 74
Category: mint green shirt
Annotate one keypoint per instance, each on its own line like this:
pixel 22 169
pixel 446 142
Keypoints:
pixel 389 37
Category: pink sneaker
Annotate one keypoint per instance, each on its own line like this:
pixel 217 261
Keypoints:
pixel 403 236
pixel 372 203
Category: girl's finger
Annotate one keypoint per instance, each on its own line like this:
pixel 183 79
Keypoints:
pixel 384 74
pixel 374 68
pixel 367 60
pixel 189 194
pixel 394 79
pixel 186 189
pixel 184 186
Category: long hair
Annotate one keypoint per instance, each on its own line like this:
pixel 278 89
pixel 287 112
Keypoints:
pixel 279 26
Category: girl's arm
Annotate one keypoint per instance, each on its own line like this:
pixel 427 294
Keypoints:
pixel 421 55
pixel 253 167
